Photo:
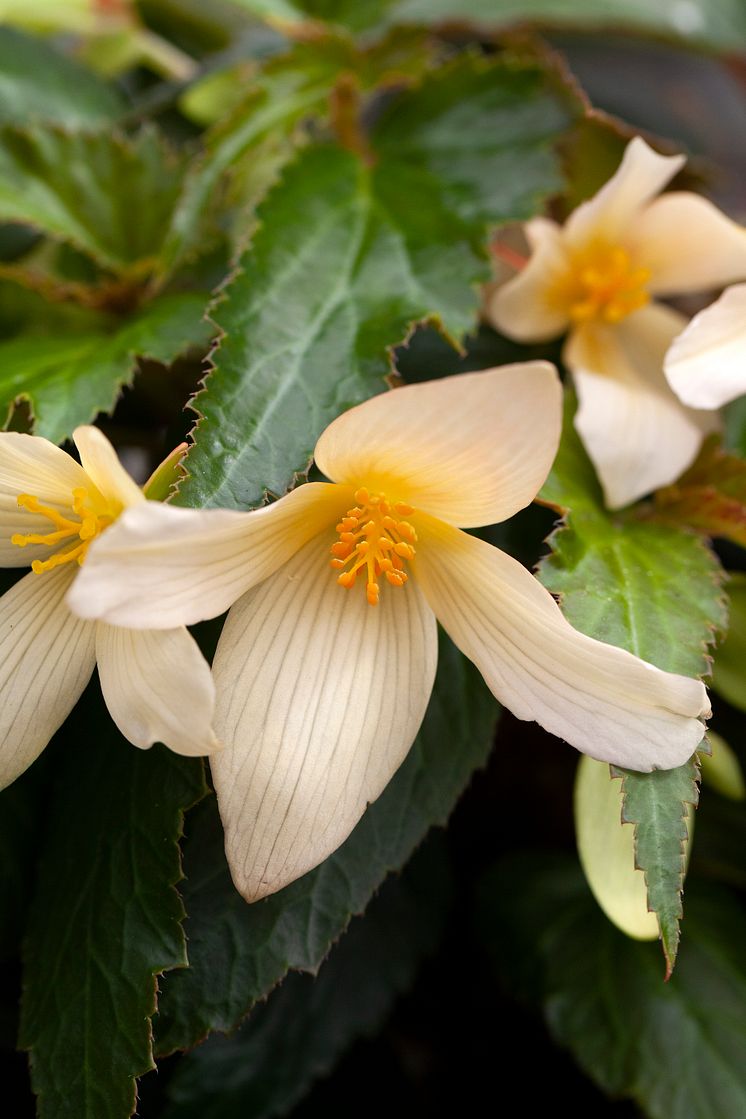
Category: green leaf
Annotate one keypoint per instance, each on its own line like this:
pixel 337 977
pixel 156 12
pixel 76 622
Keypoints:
pixel 238 952
pixel 719 23
pixel 349 256
pixel 654 590
pixel 109 196
pixel 256 139
pixel 68 379
pixel 38 83
pixel 675 1048
pixel 21 815
pixel 729 672
pixel 310 1021
pixel 105 919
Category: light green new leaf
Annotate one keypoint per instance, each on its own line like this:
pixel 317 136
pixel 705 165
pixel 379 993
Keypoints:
pixel 69 378
pixel 238 952
pixel 105 919
pixel 653 590
pixel 109 196
pixel 349 256
pixel 38 83
pixel 675 1048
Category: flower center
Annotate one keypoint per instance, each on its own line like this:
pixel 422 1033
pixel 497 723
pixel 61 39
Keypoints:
pixel 373 538
pixel 605 284
pixel 80 533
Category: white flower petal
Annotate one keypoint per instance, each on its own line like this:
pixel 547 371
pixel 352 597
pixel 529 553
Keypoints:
pixel 637 433
pixel 602 700
pixel 100 462
pixel 158 687
pixel 706 364
pixel 32 465
pixel 319 699
pixel 46 660
pixel 525 307
pixel 616 207
pixel 471 449
pixel 161 566
pixel 687 244
pixel 607 851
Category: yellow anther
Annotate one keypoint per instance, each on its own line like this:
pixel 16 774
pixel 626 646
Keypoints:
pixel 90 523
pixel 603 283
pixel 373 543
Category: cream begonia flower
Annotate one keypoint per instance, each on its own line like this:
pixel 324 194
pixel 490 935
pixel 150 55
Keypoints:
pixel 156 683
pixel 595 277
pixel 706 365
pixel 323 674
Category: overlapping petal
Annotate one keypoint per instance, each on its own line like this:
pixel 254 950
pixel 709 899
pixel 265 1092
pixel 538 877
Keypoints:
pixel 706 364
pixel 319 699
pixel 525 308
pixel 471 449
pixel 637 433
pixel 46 660
pixel 160 566
pixel 641 175
pixel 602 700
pixel 687 244
pixel 103 468
pixel 158 687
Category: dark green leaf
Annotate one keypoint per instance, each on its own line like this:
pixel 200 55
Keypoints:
pixel 349 256
pixel 729 673
pixel 721 23
pixel 676 1048
pixel 309 1022
pixel 238 952
pixel 654 590
pixel 105 919
pixel 110 197
pixel 38 83
pixel 68 379
pixel 21 814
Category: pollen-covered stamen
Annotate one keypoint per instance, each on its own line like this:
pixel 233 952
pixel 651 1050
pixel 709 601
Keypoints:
pixel 607 285
pixel 89 525
pixel 375 539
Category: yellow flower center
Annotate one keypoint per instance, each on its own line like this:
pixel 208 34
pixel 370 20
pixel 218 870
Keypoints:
pixel 80 533
pixel 605 284
pixel 373 538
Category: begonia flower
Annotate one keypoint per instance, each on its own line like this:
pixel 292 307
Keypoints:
pixel 706 364
pixel 597 277
pixel 156 683
pixel 327 660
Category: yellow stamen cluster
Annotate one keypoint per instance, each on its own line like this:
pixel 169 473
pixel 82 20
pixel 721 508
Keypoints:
pixel 86 529
pixel 373 537
pixel 606 285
